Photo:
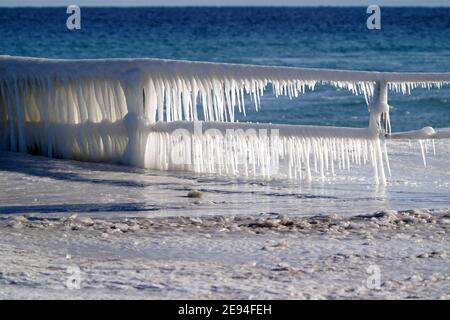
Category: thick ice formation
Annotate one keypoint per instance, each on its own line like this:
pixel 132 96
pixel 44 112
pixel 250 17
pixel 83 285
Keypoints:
pixel 126 110
pixel 249 149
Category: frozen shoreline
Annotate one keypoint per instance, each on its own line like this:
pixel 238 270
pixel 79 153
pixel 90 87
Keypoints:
pixel 51 187
pixel 135 234
pixel 265 257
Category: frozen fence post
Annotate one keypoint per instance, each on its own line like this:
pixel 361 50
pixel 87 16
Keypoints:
pixel 134 120
pixel 379 125
pixel 379 109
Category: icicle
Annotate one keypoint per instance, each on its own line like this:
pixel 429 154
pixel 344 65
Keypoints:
pixel 386 158
pixel 422 149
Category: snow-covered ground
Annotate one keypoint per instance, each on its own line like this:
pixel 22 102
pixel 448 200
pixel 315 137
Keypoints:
pixel 118 232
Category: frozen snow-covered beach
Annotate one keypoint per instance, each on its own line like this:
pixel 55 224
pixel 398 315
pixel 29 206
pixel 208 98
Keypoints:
pixel 120 232
pixel 237 258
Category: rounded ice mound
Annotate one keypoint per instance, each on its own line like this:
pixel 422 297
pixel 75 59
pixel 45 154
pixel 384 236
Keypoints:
pixel 427 131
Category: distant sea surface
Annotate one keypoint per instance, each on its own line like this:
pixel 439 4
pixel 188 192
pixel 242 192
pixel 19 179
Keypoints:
pixel 411 39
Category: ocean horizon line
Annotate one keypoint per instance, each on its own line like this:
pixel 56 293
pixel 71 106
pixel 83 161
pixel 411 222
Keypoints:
pixel 226 6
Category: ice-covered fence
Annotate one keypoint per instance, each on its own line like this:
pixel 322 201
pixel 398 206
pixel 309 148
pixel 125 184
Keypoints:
pixel 125 110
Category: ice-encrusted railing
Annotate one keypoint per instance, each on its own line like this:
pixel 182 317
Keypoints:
pixel 171 115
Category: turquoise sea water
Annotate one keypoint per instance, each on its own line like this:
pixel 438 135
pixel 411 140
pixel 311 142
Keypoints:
pixel 411 39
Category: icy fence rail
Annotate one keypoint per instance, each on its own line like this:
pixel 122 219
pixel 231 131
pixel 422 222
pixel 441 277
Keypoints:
pixel 127 110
